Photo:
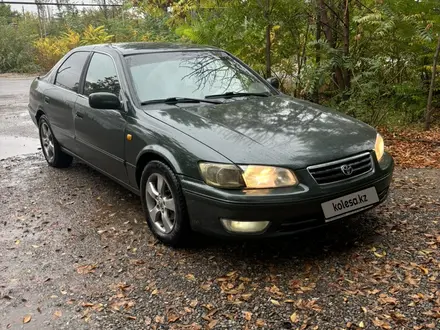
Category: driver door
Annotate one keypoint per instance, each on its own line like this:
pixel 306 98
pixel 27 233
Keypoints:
pixel 100 133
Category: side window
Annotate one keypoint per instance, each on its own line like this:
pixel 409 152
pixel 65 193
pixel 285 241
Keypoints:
pixel 69 72
pixel 101 76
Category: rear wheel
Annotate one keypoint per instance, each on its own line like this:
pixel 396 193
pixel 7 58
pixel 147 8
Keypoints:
pixel 164 204
pixel 49 145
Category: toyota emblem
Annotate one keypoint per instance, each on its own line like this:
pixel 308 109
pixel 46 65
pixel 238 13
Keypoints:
pixel 347 170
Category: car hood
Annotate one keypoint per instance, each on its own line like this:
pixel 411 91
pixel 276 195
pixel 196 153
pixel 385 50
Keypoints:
pixel 276 130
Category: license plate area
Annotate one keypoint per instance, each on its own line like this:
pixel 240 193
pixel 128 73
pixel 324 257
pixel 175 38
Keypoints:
pixel 349 204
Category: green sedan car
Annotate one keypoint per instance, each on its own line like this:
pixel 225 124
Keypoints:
pixel 208 144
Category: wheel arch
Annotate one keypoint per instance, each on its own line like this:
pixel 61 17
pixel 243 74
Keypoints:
pixel 38 115
pixel 155 152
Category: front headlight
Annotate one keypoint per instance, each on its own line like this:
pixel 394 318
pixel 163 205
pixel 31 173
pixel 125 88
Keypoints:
pixel 221 175
pixel 267 177
pixel 379 147
pixel 249 176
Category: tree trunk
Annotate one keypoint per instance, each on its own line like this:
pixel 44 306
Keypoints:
pixel 324 20
pixel 346 41
pixel 268 59
pixel 329 26
pixel 315 95
pixel 301 60
pixel 431 88
pixel 105 10
pixel 268 41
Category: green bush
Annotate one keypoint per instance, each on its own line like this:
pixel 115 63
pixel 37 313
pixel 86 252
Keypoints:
pixel 16 50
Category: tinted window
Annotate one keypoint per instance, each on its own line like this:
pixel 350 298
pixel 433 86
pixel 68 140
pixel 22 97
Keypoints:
pixel 190 74
pixel 101 76
pixel 69 73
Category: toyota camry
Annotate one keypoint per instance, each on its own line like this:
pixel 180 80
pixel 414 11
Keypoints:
pixel 208 144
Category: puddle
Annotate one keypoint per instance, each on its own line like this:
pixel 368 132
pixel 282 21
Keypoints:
pixel 11 146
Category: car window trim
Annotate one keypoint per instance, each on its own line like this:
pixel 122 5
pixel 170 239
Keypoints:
pixel 80 76
pixel 83 81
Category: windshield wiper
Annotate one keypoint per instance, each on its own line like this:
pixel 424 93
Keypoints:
pixel 234 94
pixel 175 100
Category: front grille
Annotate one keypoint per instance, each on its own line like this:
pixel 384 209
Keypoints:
pixel 343 169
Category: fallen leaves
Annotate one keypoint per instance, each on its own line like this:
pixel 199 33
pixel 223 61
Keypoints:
pixel 381 323
pixel 433 313
pixel 57 314
pixel 260 323
pixel 119 302
pixel 275 291
pixel 294 317
pixel 414 149
pixel 86 269
pixel 27 318
pixel 311 304
pixel 235 286
pixel 171 317
pixel 206 286
pixel 247 316
pixel 370 288
pixel 387 300
pixel 137 262
pixel 212 324
pixel 377 253
pixel 159 319
pixel 190 277
pixel 411 280
pixel 299 287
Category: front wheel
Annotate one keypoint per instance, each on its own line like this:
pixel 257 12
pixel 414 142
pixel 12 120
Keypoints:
pixel 51 149
pixel 164 204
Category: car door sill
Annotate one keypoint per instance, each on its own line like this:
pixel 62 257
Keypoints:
pixel 125 185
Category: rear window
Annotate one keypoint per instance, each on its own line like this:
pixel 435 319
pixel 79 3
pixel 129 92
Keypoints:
pixel 69 73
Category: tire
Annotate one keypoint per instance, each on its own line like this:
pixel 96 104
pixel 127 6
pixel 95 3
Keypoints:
pixel 55 157
pixel 158 201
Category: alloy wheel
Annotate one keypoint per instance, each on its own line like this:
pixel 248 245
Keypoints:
pixel 160 203
pixel 47 142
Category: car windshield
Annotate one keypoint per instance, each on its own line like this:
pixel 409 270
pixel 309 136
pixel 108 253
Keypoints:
pixel 191 74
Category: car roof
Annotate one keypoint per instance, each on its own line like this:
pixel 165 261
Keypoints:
pixel 130 48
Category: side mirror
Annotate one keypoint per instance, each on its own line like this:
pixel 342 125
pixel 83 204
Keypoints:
pixel 103 100
pixel 274 81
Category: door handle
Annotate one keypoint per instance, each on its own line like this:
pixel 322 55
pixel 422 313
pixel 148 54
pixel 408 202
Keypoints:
pixel 79 115
pixel 46 99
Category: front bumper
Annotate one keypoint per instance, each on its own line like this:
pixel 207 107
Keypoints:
pixel 289 210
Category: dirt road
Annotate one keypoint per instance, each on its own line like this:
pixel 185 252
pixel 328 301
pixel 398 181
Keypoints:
pixel 75 254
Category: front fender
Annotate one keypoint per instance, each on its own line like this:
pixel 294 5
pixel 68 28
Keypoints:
pixel 162 153
pixel 153 137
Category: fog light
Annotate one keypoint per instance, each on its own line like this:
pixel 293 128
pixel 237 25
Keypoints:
pixel 245 226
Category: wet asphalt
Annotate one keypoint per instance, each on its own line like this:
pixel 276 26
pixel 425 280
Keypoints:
pixel 75 253
pixel 18 134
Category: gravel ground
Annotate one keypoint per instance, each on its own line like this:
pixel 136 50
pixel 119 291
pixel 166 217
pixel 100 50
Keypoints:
pixel 75 254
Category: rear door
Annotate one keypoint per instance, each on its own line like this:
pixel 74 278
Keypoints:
pixel 100 133
pixel 60 98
